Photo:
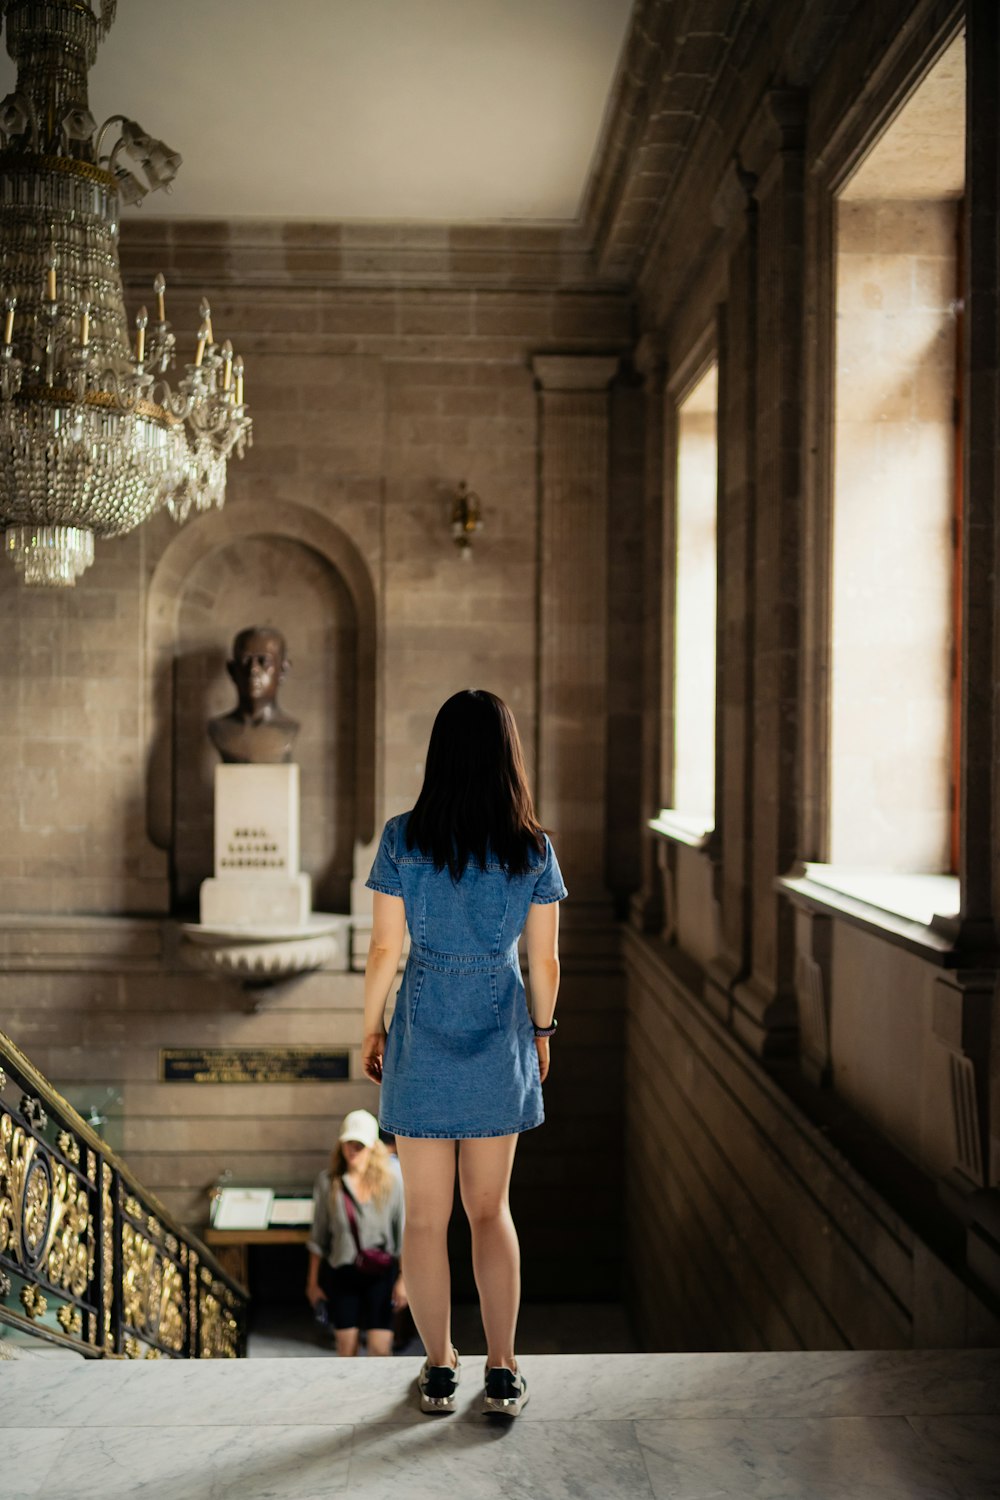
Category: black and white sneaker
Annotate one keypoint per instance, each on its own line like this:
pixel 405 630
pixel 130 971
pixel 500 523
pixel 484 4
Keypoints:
pixel 506 1393
pixel 437 1385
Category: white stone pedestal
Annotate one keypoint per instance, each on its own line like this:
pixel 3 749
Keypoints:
pixel 257 880
pixel 248 902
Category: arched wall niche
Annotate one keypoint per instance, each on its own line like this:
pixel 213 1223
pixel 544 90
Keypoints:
pixel 284 565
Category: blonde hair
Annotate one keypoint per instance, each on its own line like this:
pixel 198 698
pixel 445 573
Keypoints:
pixel 378 1176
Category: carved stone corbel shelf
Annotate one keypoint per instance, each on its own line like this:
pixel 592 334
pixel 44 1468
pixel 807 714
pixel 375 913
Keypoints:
pixel 267 955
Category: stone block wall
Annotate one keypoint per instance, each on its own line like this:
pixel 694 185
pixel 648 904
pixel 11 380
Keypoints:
pixel 748 1228
pixel 72 820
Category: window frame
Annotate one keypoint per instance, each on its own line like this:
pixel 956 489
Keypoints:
pixel 832 162
pixel 671 822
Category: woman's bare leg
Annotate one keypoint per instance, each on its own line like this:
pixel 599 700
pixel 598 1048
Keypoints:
pixel 347 1342
pixel 484 1168
pixel 379 1342
pixel 429 1188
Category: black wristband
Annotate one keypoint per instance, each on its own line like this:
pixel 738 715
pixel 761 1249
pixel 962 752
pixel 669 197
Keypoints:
pixel 546 1031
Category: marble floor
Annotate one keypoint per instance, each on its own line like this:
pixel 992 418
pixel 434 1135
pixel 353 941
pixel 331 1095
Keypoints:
pixel 803 1426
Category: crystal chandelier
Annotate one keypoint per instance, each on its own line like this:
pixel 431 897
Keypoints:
pixel 93 440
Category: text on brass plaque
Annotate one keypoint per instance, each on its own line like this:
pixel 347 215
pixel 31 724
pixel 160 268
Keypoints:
pixel 252 1065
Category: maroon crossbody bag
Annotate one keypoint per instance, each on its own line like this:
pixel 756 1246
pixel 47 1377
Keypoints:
pixel 368 1262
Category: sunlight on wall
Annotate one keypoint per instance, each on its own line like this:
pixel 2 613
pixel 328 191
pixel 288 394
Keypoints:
pixel 694 680
pixel 893 516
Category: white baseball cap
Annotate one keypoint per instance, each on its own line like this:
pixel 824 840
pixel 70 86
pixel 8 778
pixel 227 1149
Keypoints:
pixel 360 1126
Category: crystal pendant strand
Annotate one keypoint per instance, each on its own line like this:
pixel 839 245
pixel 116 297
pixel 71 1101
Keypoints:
pixel 93 440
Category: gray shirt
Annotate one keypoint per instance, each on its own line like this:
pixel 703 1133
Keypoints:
pixel 380 1227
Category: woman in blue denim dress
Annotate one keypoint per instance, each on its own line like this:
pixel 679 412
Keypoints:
pixel 461 1068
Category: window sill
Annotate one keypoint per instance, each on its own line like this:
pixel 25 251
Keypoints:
pixel 692 829
pixel 917 912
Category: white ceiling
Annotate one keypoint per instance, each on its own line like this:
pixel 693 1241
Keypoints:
pixel 444 110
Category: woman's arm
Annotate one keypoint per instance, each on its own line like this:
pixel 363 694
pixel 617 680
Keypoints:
pixel 388 932
pixel 314 1291
pixel 542 936
pixel 319 1237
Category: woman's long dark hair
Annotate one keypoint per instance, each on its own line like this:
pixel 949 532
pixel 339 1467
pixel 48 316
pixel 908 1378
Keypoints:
pixel 475 796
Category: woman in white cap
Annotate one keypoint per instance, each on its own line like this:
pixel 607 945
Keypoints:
pixel 356 1239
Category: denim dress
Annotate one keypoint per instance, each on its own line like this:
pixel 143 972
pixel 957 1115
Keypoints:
pixel 460 1057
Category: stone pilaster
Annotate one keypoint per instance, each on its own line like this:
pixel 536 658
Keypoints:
pixel 735 212
pixel 572 685
pixel 764 1012
pixel 647 912
pixel 980 731
pixel 967 1010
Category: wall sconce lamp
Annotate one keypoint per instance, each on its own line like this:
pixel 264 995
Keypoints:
pixel 466 519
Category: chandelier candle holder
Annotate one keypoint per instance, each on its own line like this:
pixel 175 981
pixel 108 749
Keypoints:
pixel 93 439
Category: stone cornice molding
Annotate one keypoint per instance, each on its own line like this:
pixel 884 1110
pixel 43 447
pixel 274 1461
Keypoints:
pixel 672 125
pixel 574 372
pixel 639 72
pixel 684 57
pixel 311 257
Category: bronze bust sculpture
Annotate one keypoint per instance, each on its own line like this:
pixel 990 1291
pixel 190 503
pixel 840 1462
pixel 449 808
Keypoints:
pixel 256 732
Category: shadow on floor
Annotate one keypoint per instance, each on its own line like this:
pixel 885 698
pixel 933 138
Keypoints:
pixel 280 1331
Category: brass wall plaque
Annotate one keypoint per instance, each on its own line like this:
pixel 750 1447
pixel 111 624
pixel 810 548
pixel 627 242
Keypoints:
pixel 252 1065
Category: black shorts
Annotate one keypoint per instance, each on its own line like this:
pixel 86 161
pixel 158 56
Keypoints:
pixel 356 1300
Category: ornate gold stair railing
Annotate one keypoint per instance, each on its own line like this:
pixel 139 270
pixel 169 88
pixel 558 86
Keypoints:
pixel 88 1258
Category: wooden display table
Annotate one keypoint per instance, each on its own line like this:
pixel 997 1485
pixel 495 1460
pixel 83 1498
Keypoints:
pixel 231 1246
